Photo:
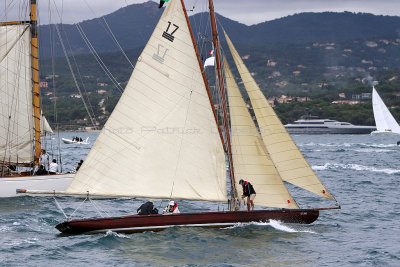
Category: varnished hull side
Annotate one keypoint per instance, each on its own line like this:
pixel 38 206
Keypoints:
pixel 157 222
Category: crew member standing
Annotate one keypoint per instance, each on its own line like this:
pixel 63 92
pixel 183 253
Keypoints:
pixel 44 160
pixel 249 192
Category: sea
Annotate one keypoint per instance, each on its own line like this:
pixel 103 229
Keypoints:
pixel 361 171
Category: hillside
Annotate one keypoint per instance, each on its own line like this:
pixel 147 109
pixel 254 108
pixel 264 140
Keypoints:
pixel 132 26
pixel 294 56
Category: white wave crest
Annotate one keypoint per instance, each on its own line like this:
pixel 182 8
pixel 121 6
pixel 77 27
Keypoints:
pixel 327 145
pixel 278 225
pixel 4 228
pixel 111 233
pixel 373 145
pixel 372 150
pixel 357 167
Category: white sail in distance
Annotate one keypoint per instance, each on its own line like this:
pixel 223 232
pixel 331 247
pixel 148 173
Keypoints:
pixel 162 140
pixel 45 127
pixel 289 161
pixel 384 120
pixel 250 158
pixel 16 108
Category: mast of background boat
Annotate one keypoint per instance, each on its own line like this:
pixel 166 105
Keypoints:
pixel 35 79
pixel 223 99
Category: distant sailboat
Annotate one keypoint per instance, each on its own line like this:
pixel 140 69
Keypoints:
pixel 21 122
pixel 384 120
pixel 180 152
pixel 45 128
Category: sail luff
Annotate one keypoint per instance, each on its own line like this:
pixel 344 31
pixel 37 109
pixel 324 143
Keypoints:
pixel 161 140
pixel 250 159
pixel 289 161
pixel 202 72
pixel 223 100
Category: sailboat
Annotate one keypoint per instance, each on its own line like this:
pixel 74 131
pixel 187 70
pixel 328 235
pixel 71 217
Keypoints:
pixel 176 149
pixel 21 126
pixel 384 120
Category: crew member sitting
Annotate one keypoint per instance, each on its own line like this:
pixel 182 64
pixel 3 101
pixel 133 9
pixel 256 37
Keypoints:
pixel 41 171
pixel 171 208
pixel 147 208
pixel 53 167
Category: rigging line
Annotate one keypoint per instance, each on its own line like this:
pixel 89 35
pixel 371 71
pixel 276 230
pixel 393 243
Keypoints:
pixel 116 41
pixel 6 8
pixel 13 44
pixel 81 80
pixel 52 42
pixel 59 207
pixel 70 66
pixel 98 58
pixel 180 146
pixel 73 74
pixel 111 34
pixel 98 208
pixel 87 197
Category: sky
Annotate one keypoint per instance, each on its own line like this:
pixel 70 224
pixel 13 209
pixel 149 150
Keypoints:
pixel 245 11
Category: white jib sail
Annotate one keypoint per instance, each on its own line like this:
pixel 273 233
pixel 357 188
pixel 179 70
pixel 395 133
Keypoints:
pixel 161 141
pixel 287 158
pixel 45 127
pixel 250 159
pixel 16 109
pixel 384 120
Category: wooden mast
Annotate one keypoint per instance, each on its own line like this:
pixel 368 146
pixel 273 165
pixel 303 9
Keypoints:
pixel 202 72
pixel 35 79
pixel 223 99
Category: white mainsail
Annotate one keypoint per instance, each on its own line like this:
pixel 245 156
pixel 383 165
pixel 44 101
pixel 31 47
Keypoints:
pixel 16 108
pixel 45 127
pixel 250 159
pixel 384 120
pixel 161 141
pixel 289 161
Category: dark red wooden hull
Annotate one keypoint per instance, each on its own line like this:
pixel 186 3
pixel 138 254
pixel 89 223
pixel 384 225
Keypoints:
pixel 157 222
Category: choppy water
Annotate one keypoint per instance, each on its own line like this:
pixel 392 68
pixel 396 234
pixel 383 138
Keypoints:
pixel 362 172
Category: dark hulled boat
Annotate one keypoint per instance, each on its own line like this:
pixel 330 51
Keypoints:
pixel 183 155
pixel 158 222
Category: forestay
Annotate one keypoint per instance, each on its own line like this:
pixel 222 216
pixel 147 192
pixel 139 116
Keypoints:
pixel 16 109
pixel 250 159
pixel 161 141
pixel 384 120
pixel 284 153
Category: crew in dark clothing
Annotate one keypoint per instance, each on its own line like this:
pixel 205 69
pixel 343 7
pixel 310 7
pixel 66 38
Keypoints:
pixel 79 165
pixel 249 192
pixel 41 171
pixel 147 208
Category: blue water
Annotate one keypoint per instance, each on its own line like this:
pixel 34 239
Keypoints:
pixel 362 172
